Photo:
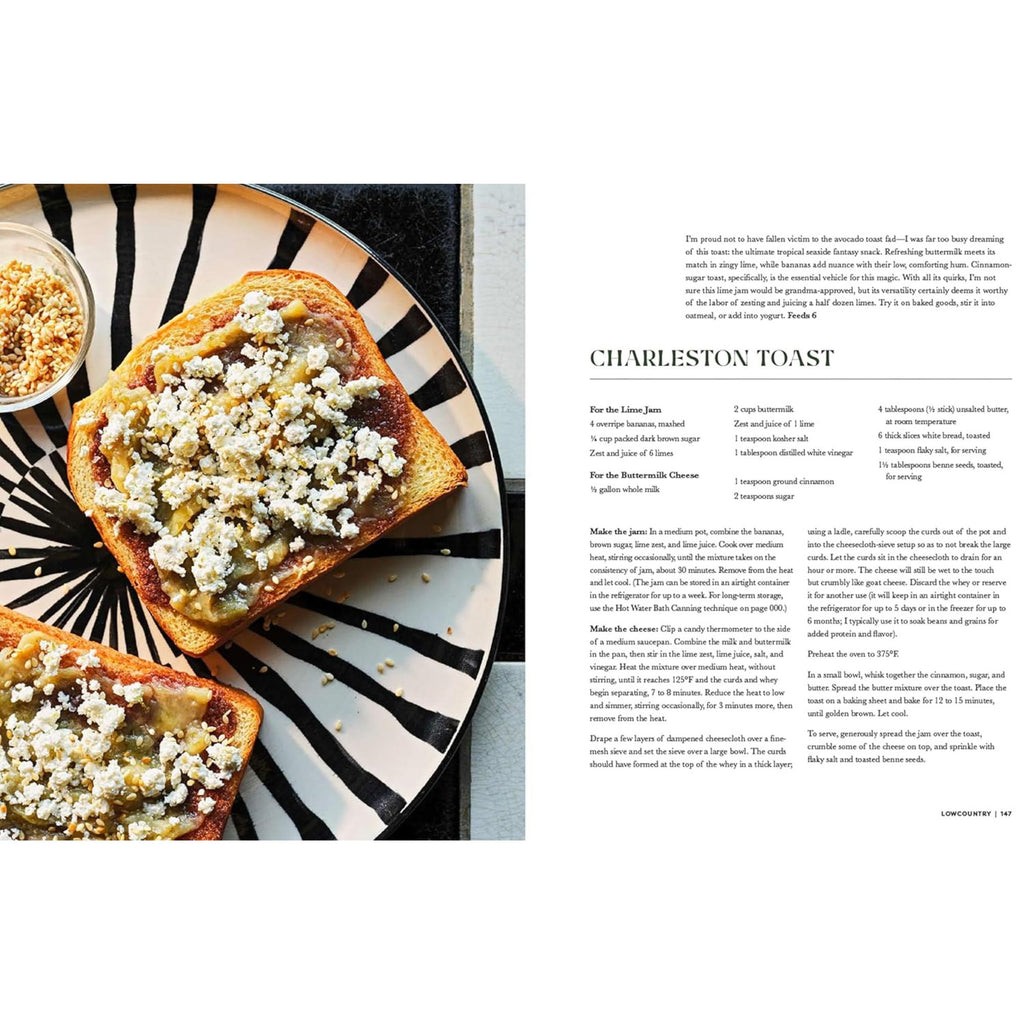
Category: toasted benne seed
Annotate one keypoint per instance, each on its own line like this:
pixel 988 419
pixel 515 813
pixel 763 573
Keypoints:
pixel 337 725
pixel 389 663
pixel 12 551
pixel 425 577
pixel 41 328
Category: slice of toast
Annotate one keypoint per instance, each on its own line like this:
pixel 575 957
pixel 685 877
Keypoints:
pixel 102 745
pixel 198 620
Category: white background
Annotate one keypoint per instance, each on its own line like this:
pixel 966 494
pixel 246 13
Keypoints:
pixel 628 127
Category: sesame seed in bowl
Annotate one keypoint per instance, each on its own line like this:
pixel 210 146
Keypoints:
pixel 46 316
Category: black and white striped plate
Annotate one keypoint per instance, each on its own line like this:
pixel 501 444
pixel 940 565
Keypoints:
pixel 149 252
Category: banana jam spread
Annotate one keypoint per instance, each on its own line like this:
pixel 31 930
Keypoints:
pixel 244 451
pixel 84 757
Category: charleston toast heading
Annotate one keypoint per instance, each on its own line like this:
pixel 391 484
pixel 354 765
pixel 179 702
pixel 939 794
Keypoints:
pixel 720 357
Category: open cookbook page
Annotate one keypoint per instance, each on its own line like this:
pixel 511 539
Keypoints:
pixel 772 565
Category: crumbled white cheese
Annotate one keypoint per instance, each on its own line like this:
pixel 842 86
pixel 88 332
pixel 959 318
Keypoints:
pixel 225 756
pixel 177 796
pixel 208 368
pixel 50 658
pixel 256 317
pixel 247 451
pixel 134 693
pixel 139 830
pixel 327 380
pixel 316 357
pixel 169 553
pixel 63 764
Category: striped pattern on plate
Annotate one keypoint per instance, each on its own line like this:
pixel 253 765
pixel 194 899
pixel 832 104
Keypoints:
pixel 404 660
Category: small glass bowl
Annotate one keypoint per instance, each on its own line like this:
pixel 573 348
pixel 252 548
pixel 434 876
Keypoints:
pixel 20 242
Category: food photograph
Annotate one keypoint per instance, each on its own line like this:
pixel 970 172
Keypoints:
pixel 258 557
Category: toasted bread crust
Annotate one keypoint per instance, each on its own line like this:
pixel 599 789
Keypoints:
pixel 432 470
pixel 242 726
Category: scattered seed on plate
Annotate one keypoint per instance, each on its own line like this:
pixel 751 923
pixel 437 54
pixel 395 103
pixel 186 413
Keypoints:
pixel 263 669
pixel 394 628
pixel 391 578
pixel 363 624
pixel 326 678
pixel 98 544
pixel 337 725
pixel 446 551
pixel 449 630
pixel 380 668
pixel 400 692
pixel 389 663
pixel 425 577
pixel 332 652
pixel 39 570
pixel 12 551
